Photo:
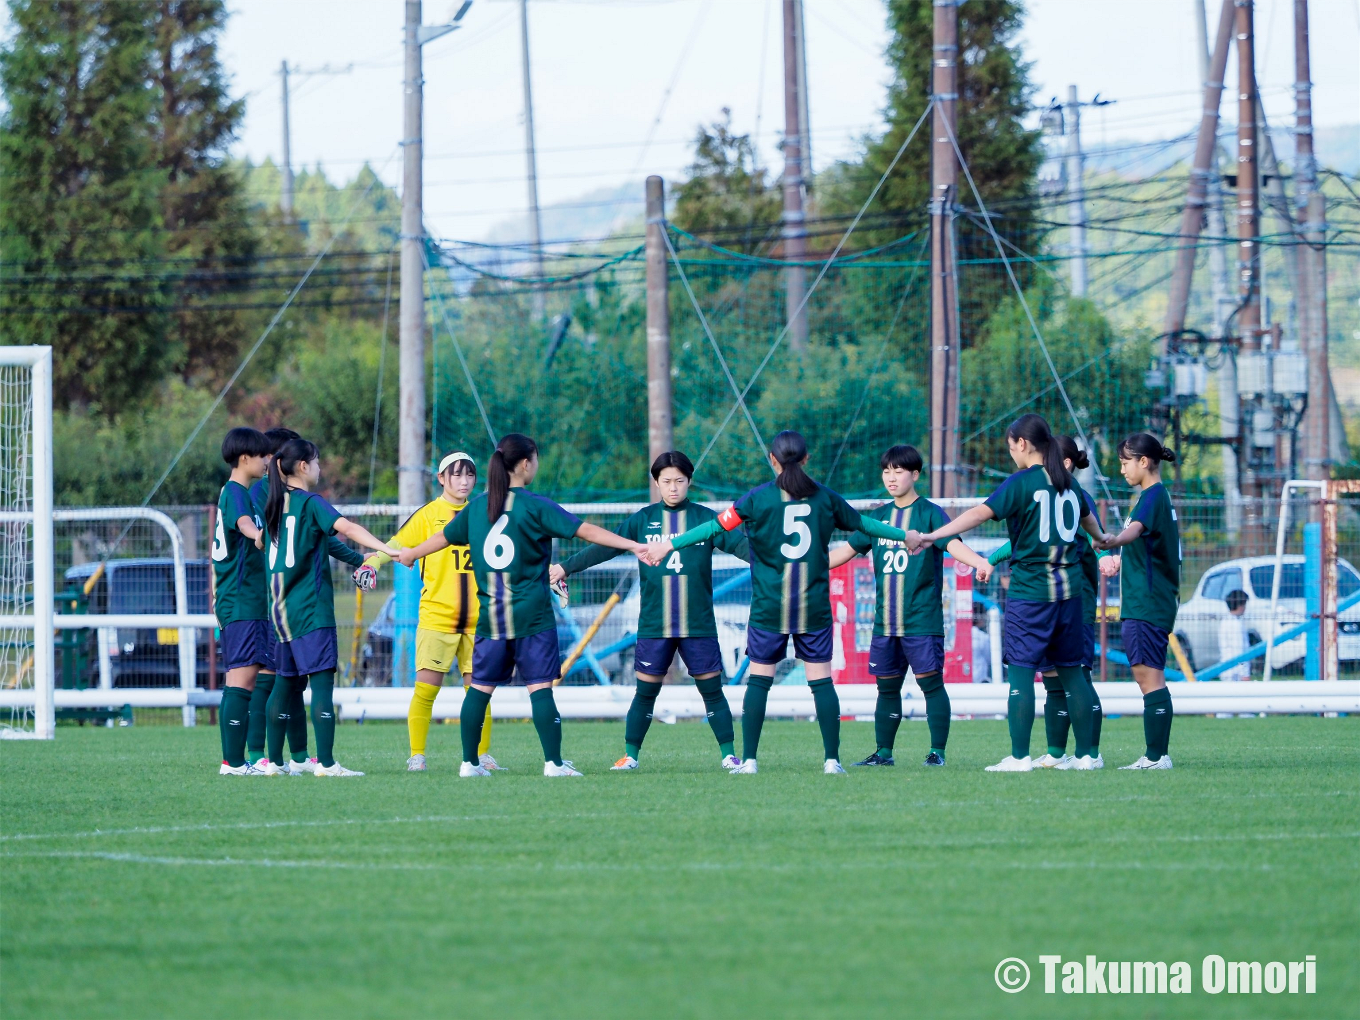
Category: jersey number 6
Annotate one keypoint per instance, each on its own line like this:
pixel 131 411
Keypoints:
pixel 498 549
pixel 801 532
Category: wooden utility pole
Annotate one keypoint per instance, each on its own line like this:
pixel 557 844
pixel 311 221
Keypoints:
pixel 795 229
pixel 1312 216
pixel 944 326
pixel 660 437
pixel 1248 230
pixel 411 459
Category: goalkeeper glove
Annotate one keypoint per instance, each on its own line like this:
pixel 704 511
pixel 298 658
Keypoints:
pixel 365 578
pixel 560 590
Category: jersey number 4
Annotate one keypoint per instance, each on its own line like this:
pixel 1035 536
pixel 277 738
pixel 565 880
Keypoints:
pixel 1050 508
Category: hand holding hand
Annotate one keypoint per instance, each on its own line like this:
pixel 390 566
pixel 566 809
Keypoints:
pixel 406 556
pixel 984 572
pixel 259 541
pixel 1109 565
pixel 652 553
pixel 914 542
pixel 556 575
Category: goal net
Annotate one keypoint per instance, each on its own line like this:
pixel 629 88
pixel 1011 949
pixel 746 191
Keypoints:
pixel 26 561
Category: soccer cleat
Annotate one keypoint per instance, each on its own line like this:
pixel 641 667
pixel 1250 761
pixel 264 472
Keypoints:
pixel 467 770
pixel 303 768
pixel 625 764
pixel 746 768
pixel 1047 761
pixel 488 762
pixel 832 768
pixel 1145 764
pixel 416 763
pixel 874 759
pixel 934 759
pixel 265 767
pixel 260 762
pixel 336 770
pixel 1012 764
pixel 238 770
pixel 731 762
pixel 565 769
pixel 1070 764
pixel 1098 762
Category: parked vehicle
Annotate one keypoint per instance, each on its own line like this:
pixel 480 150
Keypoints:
pixel 146 657
pixel 1198 618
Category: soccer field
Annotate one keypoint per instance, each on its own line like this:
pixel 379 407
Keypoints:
pixel 137 883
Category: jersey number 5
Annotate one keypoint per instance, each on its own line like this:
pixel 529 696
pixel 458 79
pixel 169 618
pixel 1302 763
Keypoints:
pixel 499 549
pixel 1057 508
pixel 800 532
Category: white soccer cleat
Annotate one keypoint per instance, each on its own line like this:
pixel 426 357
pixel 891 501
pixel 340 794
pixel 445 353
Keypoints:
pixel 625 764
pixel 488 762
pixel 303 768
pixel 1047 761
pixel 337 770
pixel 238 770
pixel 746 768
pixel 731 762
pixel 832 768
pixel 1098 762
pixel 416 763
pixel 1083 764
pixel 265 767
pixel 1012 764
pixel 565 769
pixel 261 763
pixel 1144 764
pixel 467 770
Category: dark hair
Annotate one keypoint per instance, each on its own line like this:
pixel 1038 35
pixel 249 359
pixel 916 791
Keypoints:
pixel 245 442
pixel 1034 430
pixel 673 459
pixel 1236 599
pixel 277 437
pixel 461 467
pixel 510 451
pixel 790 449
pixel 1071 451
pixel 908 458
pixel 286 460
pixel 1140 444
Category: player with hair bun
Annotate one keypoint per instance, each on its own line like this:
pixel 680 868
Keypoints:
pixel 1149 587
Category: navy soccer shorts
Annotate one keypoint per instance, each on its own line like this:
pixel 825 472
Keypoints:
pixel 1144 643
pixel 494 659
pixel 767 648
pixel 247 643
pixel 702 655
pixel 1043 635
pixel 890 656
pixel 306 654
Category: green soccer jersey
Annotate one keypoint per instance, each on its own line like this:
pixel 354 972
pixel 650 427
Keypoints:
pixel 677 596
pixel 240 587
pixel 1150 565
pixel 1043 525
pixel 259 495
pixel 300 593
pixel 909 587
pixel 510 558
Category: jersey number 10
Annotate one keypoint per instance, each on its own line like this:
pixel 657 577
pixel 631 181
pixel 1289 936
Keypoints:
pixel 1050 508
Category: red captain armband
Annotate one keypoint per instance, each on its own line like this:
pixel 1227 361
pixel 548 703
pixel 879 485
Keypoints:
pixel 730 519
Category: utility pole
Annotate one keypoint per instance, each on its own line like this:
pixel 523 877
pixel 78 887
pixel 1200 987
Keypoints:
pixel 804 122
pixel 944 326
pixel 1312 216
pixel 794 231
pixel 286 196
pixel 1248 233
pixel 1076 198
pixel 660 435
pixel 531 161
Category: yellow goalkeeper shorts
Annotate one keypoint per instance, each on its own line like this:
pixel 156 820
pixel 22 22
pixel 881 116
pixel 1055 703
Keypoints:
pixel 443 653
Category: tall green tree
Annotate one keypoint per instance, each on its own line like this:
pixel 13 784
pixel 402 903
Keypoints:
pixel 728 196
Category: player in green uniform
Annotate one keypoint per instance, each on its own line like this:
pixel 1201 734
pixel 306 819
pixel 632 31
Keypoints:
pixel 240 598
pixel 677 606
pixel 908 610
pixel 296 716
pixel 1057 721
pixel 1149 587
pixel 1043 623
pixel 510 531
pixel 302 601
pixel 790 523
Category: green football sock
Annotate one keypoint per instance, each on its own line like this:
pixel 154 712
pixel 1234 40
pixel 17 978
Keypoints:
pixel 276 720
pixel 753 713
pixel 1078 693
pixel 1020 710
pixel 471 718
pixel 718 711
pixel 323 715
pixel 296 686
pixel 887 713
pixel 937 710
pixel 1157 716
pixel 234 717
pixel 828 706
pixel 1056 719
pixel 1097 714
pixel 264 686
pixel 548 723
pixel 640 716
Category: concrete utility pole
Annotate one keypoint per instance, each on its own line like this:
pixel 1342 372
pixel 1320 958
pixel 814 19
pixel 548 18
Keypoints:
pixel 1248 223
pixel 794 231
pixel 944 326
pixel 1312 216
pixel 286 196
pixel 804 121
pixel 531 160
pixel 660 435
pixel 1076 195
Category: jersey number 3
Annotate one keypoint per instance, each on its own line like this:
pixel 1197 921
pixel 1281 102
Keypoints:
pixel 219 548
pixel 1059 507
pixel 800 532
pixel 499 549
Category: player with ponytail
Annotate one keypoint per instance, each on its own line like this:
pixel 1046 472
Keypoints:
pixel 1043 625
pixel 1149 587
pixel 510 533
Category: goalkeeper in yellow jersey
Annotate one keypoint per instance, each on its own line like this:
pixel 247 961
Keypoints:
pixel 448 604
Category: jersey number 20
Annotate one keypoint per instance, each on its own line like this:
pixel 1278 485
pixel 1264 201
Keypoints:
pixel 499 549
pixel 801 533
pixel 1066 532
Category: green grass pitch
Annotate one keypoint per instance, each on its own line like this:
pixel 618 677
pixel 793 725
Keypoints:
pixel 136 883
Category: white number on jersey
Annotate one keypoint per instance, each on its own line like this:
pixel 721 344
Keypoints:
pixel 1066 532
pixel 290 526
pixel 499 549
pixel 802 533
pixel 674 562
pixel 219 549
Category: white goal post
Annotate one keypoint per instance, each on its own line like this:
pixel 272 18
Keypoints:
pixel 26 501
